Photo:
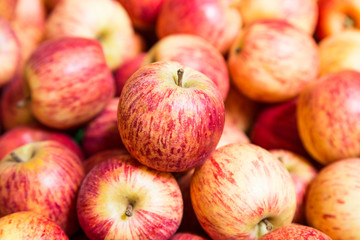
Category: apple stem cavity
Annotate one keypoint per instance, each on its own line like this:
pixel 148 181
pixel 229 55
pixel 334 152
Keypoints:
pixel 265 226
pixel 349 22
pixel 129 210
pixel 16 157
pixel 180 74
pixel 21 103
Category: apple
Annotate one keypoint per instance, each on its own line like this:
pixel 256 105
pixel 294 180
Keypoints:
pixel 43 177
pixel 186 236
pixel 194 52
pixel 101 133
pixel 92 161
pixel 170 117
pixel 7 8
pixel 333 199
pixel 340 52
pixel 128 68
pixel 336 16
pixel 232 134
pixel 216 22
pixel 275 127
pixel 242 192
pixel 272 61
pixel 68 81
pixel 123 199
pixel 30 225
pixel 9 52
pixel 302 173
pixel 295 232
pixel 106 21
pixel 143 14
pixel 328 117
pixel 22 135
pixel 303 14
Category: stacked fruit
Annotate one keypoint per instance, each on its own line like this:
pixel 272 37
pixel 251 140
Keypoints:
pixel 173 119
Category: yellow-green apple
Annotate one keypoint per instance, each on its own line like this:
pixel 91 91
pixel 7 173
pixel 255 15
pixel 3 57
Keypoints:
pixel 90 162
pixel 328 117
pixel 22 135
pixel 69 82
pixel 303 14
pixel 43 177
pixel 122 199
pixel 143 13
pixel 295 232
pixel 15 108
pixel 333 199
pixel 9 52
pixel 239 109
pixel 340 52
pixel 124 72
pixel 272 61
pixel 194 52
pixel 30 225
pixel 106 21
pixel 242 192
pixel 101 133
pixel 232 134
pixel 336 16
pixel 216 22
pixel 170 117
pixel 186 236
pixel 302 173
pixel 275 127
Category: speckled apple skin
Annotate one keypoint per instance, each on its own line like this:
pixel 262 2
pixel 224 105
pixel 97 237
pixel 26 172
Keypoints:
pixel 69 82
pixel 187 236
pixel 239 186
pixel 328 117
pixel 112 184
pixel 272 61
pixel 30 225
pixel 167 127
pixel 295 232
pixel 332 203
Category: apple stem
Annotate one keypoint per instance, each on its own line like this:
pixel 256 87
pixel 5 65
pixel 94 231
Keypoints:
pixel 264 227
pixel 180 74
pixel 129 210
pixel 16 157
pixel 268 225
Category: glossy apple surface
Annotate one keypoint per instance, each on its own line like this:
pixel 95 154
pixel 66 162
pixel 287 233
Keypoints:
pixel 186 236
pixel 90 162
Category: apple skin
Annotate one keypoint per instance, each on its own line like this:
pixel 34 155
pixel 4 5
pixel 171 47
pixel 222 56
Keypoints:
pixel 101 133
pixel 143 13
pixel 232 134
pixel 46 181
pixel 9 52
pixel 112 185
pixel 295 232
pixel 302 172
pixel 106 21
pixel 7 8
pixel 303 14
pixel 333 198
pixel 124 72
pixel 186 236
pixel 237 188
pixel 272 61
pixel 275 127
pixel 168 127
pixel 216 22
pixel 92 161
pixel 340 52
pixel 72 96
pixel 328 117
pixel 12 95
pixel 30 225
pixel 194 52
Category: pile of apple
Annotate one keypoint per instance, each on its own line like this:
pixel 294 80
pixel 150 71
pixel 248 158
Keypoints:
pixel 181 120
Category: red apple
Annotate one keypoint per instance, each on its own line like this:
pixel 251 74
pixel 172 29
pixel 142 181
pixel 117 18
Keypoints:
pixel 302 173
pixel 106 21
pixel 328 117
pixel 7 8
pixel 242 192
pixel 43 177
pixel 295 232
pixel 186 236
pixel 272 61
pixel 69 82
pixel 170 117
pixel 123 199
pixel 213 20
pixel 194 52
pixel 30 225
pixel 92 161
pixel 333 199
pixel 232 134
